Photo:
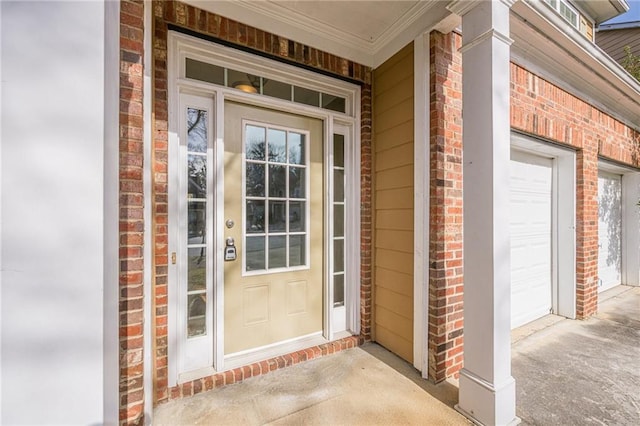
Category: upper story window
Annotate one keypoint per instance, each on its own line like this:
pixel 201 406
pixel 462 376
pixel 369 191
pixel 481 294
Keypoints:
pixel 573 16
pixel 568 12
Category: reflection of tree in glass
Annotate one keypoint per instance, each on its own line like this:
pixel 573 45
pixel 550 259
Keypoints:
pixel 197 177
pixel 196 130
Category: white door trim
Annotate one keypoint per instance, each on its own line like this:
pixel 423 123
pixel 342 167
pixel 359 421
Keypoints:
pixel 563 205
pixel 421 184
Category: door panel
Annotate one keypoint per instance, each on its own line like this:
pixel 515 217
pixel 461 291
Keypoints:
pixel 273 191
pixel 530 227
pixel 609 230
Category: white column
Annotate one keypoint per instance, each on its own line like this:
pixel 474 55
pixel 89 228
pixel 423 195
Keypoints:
pixel 487 390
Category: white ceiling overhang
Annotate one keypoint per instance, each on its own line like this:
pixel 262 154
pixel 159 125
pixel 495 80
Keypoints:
pixel 603 10
pixel 364 31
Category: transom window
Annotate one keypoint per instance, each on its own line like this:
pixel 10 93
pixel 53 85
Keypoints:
pixel 252 83
pixel 276 199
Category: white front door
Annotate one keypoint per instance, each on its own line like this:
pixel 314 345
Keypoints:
pixel 609 230
pixel 530 226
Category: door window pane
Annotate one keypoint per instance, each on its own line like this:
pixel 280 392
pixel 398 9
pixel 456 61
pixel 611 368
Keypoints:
pixel 255 217
pixel 255 180
pixel 338 150
pixel 338 185
pixel 277 216
pixel 277 89
pixel 306 96
pixel 297 182
pixel 296 148
pixel 297 250
pixel 334 103
pixel 277 252
pixel 197 268
pixel 197 222
pixel 204 72
pixel 338 255
pixel 196 130
pixel 277 181
pixel 255 142
pixel 197 315
pixel 255 254
pixel 197 176
pixel 297 216
pixel 338 290
pixel 277 145
pixel 338 220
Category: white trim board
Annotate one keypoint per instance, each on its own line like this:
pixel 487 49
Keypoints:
pixel 421 184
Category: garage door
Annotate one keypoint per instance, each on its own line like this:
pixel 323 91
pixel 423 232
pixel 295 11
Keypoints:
pixel 530 226
pixel 609 230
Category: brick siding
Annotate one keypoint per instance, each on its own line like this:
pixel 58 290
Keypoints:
pixel 544 110
pixel 445 208
pixel 131 213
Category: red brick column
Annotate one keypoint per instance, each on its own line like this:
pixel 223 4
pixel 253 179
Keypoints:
pixel 586 232
pixel 160 204
pixel 131 213
pixel 445 208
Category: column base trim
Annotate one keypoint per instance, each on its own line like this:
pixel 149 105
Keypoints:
pixel 514 422
pixel 485 403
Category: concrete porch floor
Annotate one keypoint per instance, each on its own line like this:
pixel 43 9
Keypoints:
pixel 567 373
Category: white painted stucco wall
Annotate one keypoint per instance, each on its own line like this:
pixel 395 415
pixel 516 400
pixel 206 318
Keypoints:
pixel 53 259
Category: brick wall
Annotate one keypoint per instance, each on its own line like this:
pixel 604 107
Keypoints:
pixel 131 213
pixel 445 208
pixel 210 24
pixel 544 110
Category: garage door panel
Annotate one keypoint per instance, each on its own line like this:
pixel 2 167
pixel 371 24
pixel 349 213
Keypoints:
pixel 609 230
pixel 530 227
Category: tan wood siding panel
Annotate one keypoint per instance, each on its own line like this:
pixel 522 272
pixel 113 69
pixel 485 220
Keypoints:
pixel 398 57
pixel 386 317
pixel 394 260
pixel 401 241
pixel 394 116
pixel 394 191
pixel 399 346
pixel 399 94
pixel 399 282
pixel 397 156
pixel 402 177
pixel 394 199
pixel 396 219
pixel 396 136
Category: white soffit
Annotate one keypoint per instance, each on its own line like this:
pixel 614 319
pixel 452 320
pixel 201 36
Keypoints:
pixel 548 46
pixel 364 31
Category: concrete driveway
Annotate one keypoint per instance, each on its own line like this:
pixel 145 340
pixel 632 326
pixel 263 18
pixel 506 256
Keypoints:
pixel 581 372
pixel 567 373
